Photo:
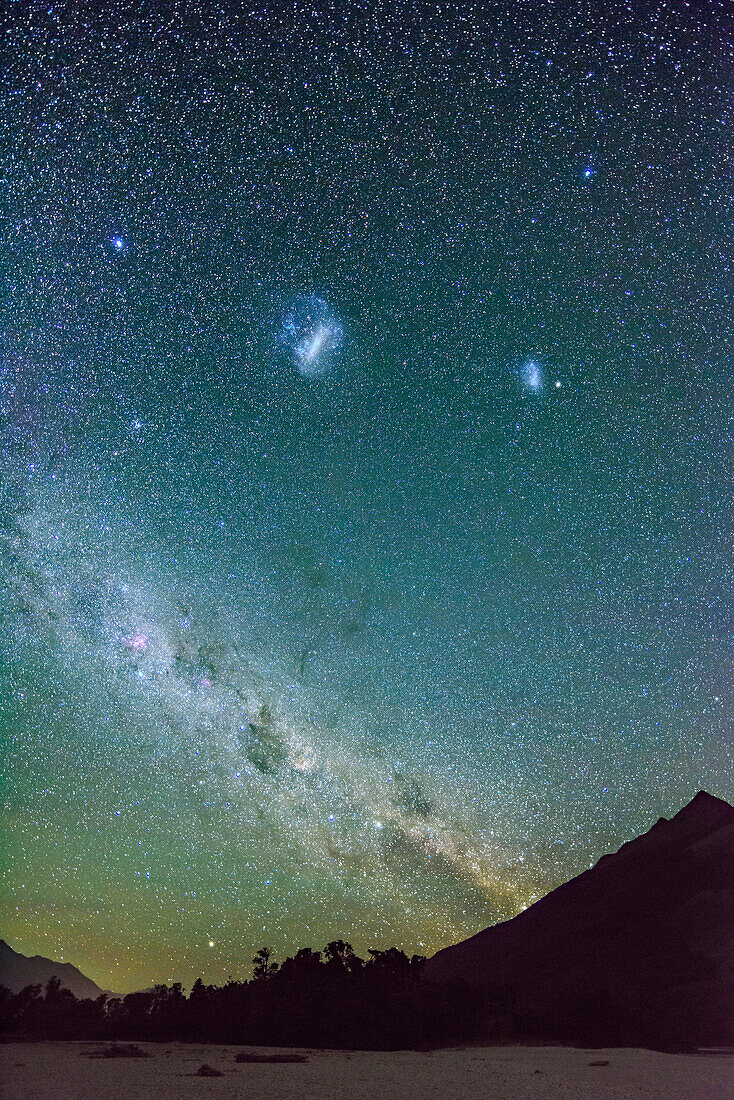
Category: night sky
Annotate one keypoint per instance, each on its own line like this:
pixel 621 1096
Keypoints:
pixel 365 459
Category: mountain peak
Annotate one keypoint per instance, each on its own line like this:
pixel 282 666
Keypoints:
pixel 707 807
pixel 18 971
pixel 641 944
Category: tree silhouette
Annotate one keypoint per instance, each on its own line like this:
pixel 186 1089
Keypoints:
pixel 304 966
pixel 263 968
pixel 53 989
pixel 340 955
pixel 322 999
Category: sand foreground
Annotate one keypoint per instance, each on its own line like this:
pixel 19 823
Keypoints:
pixel 59 1071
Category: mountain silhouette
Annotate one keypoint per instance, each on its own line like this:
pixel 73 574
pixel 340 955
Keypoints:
pixel 638 950
pixel 17 971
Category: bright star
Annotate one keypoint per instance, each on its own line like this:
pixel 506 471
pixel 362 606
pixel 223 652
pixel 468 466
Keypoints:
pixel 118 243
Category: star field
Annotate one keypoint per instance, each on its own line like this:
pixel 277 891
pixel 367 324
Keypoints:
pixel 365 431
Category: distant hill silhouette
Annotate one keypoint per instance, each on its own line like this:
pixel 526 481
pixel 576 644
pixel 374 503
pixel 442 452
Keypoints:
pixel 639 949
pixel 17 971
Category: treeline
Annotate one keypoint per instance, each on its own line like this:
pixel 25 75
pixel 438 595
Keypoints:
pixel 323 999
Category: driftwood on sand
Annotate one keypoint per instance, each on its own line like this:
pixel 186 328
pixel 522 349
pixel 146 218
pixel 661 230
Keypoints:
pixel 117 1050
pixel 245 1056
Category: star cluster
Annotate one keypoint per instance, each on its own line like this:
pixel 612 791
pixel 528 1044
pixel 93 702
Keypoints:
pixel 364 430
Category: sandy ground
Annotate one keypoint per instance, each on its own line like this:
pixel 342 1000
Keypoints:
pixel 59 1071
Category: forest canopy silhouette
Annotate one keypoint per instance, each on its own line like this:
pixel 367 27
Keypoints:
pixel 329 998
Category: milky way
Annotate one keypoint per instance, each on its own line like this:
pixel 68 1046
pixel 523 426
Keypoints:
pixel 364 398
